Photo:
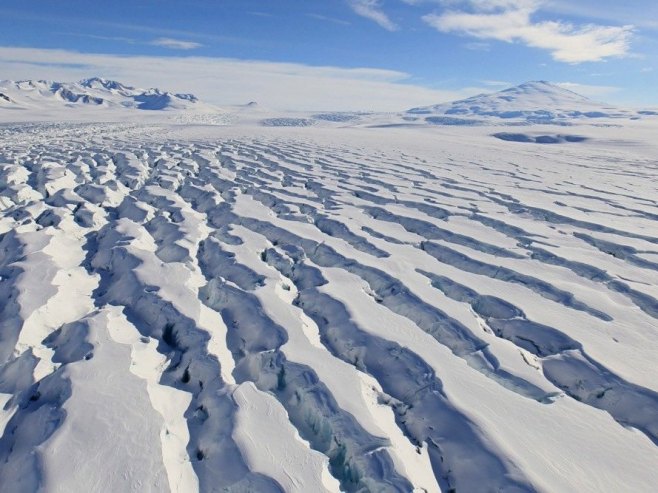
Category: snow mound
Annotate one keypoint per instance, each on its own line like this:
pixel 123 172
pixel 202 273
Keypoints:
pixel 287 122
pixel 539 139
pixel 338 117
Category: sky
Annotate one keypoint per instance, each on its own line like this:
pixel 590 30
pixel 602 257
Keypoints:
pixel 384 55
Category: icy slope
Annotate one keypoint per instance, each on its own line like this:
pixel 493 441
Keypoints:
pixel 267 309
pixel 533 102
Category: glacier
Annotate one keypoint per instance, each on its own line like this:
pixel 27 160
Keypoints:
pixel 235 299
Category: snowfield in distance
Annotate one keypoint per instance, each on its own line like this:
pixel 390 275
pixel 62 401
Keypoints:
pixel 243 300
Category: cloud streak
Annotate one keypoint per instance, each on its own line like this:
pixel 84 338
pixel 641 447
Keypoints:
pixel 644 16
pixel 225 81
pixel 175 44
pixel 326 18
pixel 512 21
pixel 371 9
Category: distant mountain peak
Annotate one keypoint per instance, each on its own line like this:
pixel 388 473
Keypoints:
pixel 99 82
pixel 546 88
pixel 94 91
pixel 531 102
pixel 537 83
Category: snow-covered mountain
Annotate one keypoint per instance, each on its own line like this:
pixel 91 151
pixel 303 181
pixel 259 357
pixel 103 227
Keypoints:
pixel 98 99
pixel 532 102
pixel 38 94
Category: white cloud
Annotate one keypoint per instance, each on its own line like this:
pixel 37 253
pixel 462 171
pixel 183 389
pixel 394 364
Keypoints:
pixel 325 18
pixel 371 9
pixel 512 21
pixel 643 16
pixel 175 44
pixel 225 81
pixel 120 39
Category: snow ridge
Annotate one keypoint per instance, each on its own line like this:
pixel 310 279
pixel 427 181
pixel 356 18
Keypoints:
pixel 201 308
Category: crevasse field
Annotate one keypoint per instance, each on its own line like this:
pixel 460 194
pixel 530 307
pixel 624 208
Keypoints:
pixel 329 303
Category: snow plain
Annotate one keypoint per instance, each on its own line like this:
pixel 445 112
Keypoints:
pixel 271 307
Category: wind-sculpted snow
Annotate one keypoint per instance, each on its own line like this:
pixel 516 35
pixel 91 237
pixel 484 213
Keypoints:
pixel 324 309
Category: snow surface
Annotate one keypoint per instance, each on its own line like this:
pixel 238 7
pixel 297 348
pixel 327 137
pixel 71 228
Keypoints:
pixel 352 304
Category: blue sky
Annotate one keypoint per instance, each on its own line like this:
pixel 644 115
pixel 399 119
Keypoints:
pixel 343 54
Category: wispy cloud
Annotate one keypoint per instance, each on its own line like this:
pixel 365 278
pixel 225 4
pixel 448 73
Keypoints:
pixel 644 16
pixel 512 21
pixel 175 44
pixel 141 31
pixel 120 39
pixel 371 9
pixel 326 18
pixel 228 81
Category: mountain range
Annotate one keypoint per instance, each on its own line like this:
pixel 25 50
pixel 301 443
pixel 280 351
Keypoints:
pixel 536 102
pixel 89 92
